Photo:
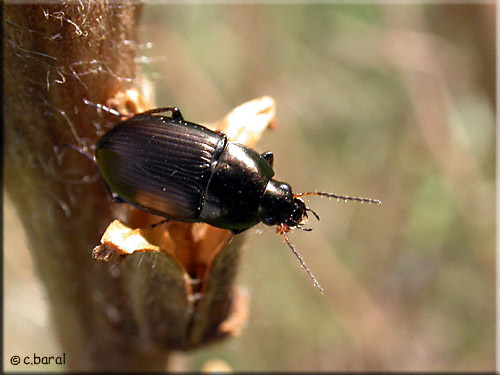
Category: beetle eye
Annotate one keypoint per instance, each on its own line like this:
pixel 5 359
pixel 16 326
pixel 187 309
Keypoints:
pixel 285 187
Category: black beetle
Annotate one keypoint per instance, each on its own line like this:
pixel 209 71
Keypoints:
pixel 186 172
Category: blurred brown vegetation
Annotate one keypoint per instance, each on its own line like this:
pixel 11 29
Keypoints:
pixel 395 102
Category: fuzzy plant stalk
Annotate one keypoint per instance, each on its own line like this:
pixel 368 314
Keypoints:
pixel 126 313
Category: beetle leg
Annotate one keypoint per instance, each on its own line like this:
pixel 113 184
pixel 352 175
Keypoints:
pixel 81 150
pixel 160 223
pixel 176 113
pixel 269 157
pixel 115 197
pixel 104 108
pixel 236 231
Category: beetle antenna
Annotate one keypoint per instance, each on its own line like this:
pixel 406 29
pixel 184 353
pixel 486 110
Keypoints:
pixel 283 230
pixel 339 197
pixel 103 108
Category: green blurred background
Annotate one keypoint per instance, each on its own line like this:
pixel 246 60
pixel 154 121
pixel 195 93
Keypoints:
pixel 394 102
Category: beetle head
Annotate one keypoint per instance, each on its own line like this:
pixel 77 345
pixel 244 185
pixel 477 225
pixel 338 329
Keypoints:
pixel 279 206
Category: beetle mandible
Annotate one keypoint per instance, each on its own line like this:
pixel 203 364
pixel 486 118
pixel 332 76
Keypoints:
pixel 186 172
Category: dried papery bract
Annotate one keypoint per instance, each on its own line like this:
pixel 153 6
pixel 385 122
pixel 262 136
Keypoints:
pixel 183 274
